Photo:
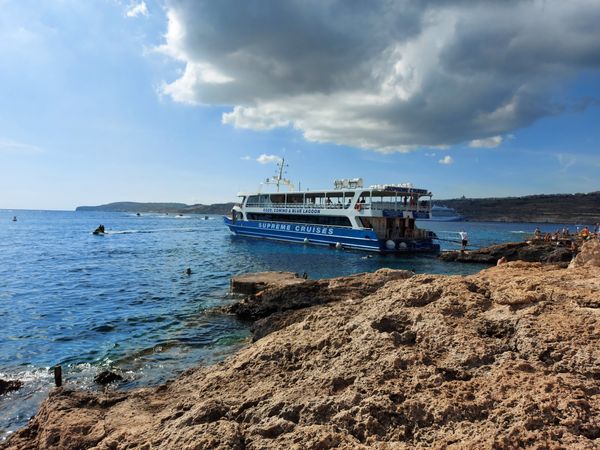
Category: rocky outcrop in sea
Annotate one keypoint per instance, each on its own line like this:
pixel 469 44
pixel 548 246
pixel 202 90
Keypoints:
pixel 506 358
pixel 528 251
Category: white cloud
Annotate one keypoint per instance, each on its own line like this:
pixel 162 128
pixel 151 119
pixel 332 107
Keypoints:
pixel 382 75
pixel 447 160
pixel 246 158
pixel 10 146
pixel 491 142
pixel 267 159
pixel 139 9
pixel 242 117
pixel 566 160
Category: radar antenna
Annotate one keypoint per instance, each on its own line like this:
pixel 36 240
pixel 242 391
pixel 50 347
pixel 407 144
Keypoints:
pixel 278 179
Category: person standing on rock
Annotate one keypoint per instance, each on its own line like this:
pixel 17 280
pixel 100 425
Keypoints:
pixel 464 237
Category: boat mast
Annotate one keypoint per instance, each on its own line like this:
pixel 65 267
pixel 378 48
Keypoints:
pixel 278 179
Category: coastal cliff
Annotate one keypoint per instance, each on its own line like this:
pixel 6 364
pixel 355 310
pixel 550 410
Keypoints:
pixel 505 358
pixel 170 208
pixel 551 208
pixel 528 251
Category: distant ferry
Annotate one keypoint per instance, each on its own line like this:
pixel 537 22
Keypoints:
pixel 380 218
pixel 444 214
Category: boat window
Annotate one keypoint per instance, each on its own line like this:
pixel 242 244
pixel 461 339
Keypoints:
pixel 295 198
pixel 277 198
pixel 364 197
pixel 262 199
pixel 315 198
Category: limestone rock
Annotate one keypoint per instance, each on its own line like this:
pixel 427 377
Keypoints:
pixel 546 252
pixel 506 358
pixel 9 385
pixel 106 377
pixel 589 255
pixel 294 296
pixel 252 283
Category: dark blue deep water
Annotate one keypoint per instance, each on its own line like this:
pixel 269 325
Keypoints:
pixel 123 300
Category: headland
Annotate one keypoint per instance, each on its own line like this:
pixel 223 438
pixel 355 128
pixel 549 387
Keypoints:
pixel 163 208
pixel 549 208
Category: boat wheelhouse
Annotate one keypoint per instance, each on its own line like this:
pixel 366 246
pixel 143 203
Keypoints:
pixel 379 218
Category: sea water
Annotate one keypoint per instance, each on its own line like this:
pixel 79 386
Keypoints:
pixel 123 300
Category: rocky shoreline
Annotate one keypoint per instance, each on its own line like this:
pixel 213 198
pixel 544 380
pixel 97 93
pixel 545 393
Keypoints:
pixel 529 251
pixel 505 358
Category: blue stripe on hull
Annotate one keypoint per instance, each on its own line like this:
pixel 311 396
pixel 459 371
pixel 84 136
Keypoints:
pixel 321 235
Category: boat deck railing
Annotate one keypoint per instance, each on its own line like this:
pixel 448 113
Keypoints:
pixel 394 206
pixel 332 205
pixel 373 206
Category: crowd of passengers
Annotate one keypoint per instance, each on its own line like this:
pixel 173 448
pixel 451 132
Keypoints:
pixel 338 202
pixel 565 234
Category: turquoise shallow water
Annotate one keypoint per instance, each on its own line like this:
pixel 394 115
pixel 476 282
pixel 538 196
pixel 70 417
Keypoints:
pixel 89 302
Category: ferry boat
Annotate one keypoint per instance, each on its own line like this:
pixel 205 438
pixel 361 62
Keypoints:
pixel 440 213
pixel 379 218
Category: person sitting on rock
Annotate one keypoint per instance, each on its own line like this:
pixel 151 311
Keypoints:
pixel 585 233
pixel 537 234
pixel 501 261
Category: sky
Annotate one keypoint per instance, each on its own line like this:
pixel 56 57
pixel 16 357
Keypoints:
pixel 195 100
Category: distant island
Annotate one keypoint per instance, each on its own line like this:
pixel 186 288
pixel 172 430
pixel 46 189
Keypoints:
pixel 551 208
pixel 163 208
